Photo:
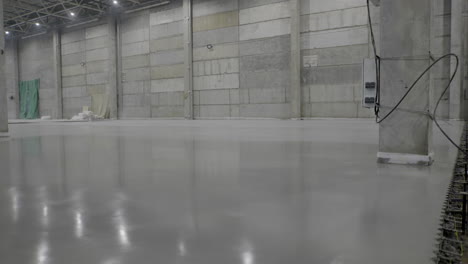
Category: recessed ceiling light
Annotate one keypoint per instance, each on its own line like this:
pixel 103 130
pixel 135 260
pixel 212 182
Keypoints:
pixel 37 24
pixel 72 14
pixel 116 2
pixel 7 32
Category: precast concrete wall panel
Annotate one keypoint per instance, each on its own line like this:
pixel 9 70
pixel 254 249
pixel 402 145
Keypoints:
pixel 264 13
pixel 210 82
pixel 335 36
pixel 164 44
pixel 440 45
pixel 73 47
pixel 166 58
pixel 166 30
pixel 230 50
pixel 216 36
pixel 241 59
pixel 96 66
pixel 167 72
pixel 135 62
pixel 214 67
pixel 84 67
pixel 96 43
pixel 96 31
pixel 216 21
pixel 167 85
pixel 209 7
pixel 73 70
pixel 265 29
pixel 137 48
pixel 318 6
pixel 135 59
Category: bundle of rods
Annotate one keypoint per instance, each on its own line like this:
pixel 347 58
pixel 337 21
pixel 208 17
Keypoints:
pixel 452 231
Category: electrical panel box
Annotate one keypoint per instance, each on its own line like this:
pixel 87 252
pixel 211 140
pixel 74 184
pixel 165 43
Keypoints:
pixel 369 83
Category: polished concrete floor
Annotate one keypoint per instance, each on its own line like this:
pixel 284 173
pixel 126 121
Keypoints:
pixel 212 192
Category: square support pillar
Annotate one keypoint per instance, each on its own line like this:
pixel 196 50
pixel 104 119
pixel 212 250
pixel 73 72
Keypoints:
pixel 457 37
pixel 295 84
pixel 188 59
pixel 58 73
pixel 405 136
pixel 112 67
pixel 3 88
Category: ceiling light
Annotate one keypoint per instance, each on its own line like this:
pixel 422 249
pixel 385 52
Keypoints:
pixel 7 32
pixel 37 24
pixel 116 2
pixel 72 14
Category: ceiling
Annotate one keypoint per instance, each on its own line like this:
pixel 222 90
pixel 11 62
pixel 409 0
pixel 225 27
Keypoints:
pixel 24 17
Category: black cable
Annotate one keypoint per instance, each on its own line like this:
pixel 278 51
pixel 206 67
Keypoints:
pixel 378 73
pixel 433 115
pixel 414 84
pixel 371 29
pixel 377 64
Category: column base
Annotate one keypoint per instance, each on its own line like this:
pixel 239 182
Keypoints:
pixel 405 159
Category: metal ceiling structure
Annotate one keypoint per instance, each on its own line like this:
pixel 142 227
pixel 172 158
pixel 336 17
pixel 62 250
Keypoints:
pixel 25 17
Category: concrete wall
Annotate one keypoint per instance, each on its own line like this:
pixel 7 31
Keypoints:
pixel 84 68
pixel 152 63
pixel 465 79
pixel 335 34
pixel 440 45
pixel 166 60
pixel 264 51
pixel 216 70
pixel 135 73
pixel 35 58
pixel 3 88
pixel 245 72
pixel 441 35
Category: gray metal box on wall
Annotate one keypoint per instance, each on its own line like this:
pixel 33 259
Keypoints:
pixel 369 83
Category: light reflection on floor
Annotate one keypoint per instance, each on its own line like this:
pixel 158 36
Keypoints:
pixel 245 192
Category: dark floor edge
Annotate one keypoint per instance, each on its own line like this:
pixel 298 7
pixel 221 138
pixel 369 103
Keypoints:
pixel 452 236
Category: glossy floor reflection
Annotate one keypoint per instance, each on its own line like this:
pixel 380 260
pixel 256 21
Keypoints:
pixel 211 192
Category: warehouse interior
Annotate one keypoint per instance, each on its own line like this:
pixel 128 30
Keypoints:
pixel 233 131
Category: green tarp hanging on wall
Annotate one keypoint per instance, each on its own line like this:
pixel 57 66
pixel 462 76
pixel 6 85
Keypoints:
pixel 29 99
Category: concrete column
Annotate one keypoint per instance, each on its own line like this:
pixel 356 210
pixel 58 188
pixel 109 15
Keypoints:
pixel 112 67
pixel 456 47
pixel 405 136
pixel 296 100
pixel 3 88
pixel 119 69
pixel 16 72
pixel 188 62
pixel 58 72
pixel 13 83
